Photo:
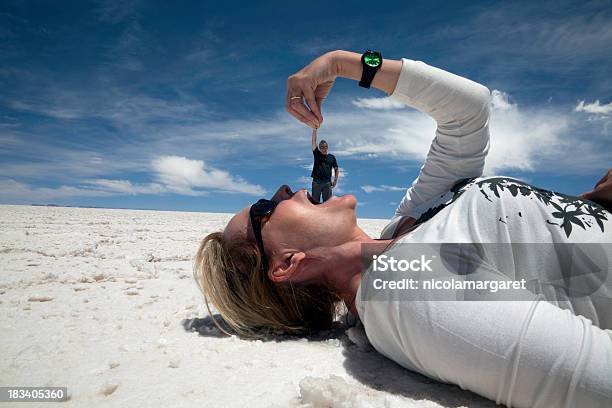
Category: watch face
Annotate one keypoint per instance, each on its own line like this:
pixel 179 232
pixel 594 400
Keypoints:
pixel 372 59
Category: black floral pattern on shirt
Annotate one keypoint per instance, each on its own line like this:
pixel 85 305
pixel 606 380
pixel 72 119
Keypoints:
pixel 457 189
pixel 567 211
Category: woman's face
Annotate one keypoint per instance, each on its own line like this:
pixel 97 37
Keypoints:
pixel 299 224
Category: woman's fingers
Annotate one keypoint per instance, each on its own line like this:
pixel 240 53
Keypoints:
pixel 297 108
pixel 295 113
pixel 293 97
pixel 295 103
pixel 310 118
pixel 312 83
pixel 312 104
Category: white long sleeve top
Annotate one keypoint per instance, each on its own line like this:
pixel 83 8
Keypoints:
pixel 460 108
pixel 552 351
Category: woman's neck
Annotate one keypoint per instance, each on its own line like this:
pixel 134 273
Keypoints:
pixel 340 267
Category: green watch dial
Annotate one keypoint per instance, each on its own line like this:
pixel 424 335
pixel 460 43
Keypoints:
pixel 372 60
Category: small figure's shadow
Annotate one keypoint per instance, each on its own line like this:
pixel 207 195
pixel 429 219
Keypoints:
pixel 364 364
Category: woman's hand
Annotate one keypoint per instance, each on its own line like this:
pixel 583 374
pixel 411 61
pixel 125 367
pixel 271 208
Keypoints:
pixel 602 192
pixel 315 80
pixel 312 85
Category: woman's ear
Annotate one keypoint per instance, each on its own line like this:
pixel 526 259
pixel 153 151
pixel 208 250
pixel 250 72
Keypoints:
pixel 287 268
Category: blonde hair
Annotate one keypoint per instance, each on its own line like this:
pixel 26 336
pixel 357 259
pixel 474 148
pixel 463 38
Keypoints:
pixel 231 277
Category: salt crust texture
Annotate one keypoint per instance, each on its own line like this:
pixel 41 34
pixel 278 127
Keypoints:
pixel 103 301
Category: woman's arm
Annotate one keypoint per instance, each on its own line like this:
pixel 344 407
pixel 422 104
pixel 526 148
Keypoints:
pixel 460 108
pixel 348 65
pixel 308 88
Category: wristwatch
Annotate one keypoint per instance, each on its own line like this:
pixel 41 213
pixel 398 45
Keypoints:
pixel 371 61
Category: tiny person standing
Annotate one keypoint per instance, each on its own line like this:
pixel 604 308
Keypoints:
pixel 321 170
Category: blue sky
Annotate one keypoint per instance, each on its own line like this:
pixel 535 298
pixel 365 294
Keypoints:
pixel 180 106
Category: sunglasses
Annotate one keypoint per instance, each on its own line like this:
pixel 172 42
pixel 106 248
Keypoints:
pixel 260 209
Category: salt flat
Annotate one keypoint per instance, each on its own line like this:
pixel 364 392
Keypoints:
pixel 97 300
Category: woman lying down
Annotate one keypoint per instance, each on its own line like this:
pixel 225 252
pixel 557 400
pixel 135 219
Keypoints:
pixel 285 264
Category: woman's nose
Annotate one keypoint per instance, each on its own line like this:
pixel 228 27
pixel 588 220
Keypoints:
pixel 283 193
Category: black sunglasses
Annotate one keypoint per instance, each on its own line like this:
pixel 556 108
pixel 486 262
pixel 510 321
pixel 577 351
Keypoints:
pixel 260 209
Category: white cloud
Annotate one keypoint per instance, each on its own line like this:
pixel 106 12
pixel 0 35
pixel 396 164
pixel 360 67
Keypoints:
pixel 175 174
pixel 377 134
pixel 127 187
pixel 522 138
pixel 525 138
pixel 595 107
pixel 499 101
pixel 385 103
pixel 370 189
pixel 16 192
pixel 44 108
pixel 181 175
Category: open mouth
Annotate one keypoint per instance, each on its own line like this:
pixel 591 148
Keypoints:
pixel 308 196
pixel 312 200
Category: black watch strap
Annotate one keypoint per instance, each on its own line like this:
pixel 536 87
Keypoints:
pixel 367 76
pixel 368 71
